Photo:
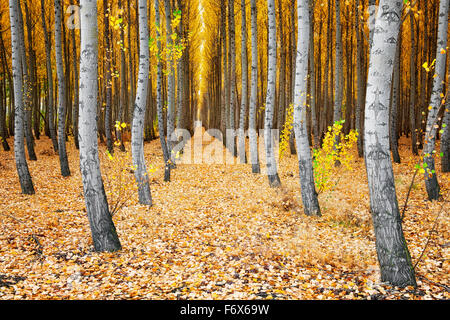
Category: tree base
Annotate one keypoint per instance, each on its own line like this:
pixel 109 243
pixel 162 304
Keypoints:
pixel 256 169
pixel 274 181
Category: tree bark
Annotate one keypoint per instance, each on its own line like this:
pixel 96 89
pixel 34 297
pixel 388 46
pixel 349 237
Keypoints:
pixel 253 137
pixel 64 163
pixel 412 102
pixel 26 183
pixel 431 181
pixel 394 105
pixel 103 231
pixel 393 255
pixel 308 189
pixel 244 85
pixel 159 88
pixel 272 172
pixel 137 138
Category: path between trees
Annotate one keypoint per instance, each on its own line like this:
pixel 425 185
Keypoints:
pixel 215 231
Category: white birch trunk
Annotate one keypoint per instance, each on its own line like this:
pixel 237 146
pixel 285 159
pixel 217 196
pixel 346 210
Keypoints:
pixel 104 234
pixel 272 172
pixel 253 139
pixel 140 106
pixel 445 138
pixel 308 189
pixel 244 85
pixel 25 180
pixel 393 254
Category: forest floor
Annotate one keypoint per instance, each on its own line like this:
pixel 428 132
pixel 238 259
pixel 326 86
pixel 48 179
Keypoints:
pixel 214 232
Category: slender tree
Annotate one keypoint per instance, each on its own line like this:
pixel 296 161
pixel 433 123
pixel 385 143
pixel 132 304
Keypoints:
pixel 48 63
pixel 64 163
pixel 108 79
pixel 394 105
pixel 170 83
pixel 232 77
pixel 431 181
pixel 27 88
pixel 75 85
pixel 244 85
pixel 159 86
pixel 360 79
pixel 308 189
pixel 413 88
pixel 253 138
pixel 272 172
pixel 137 133
pixel 338 71
pixel 26 183
pixel 103 231
pixel 445 138
pixel 393 255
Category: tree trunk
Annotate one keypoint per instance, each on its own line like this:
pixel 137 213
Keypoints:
pixel 360 82
pixel 51 123
pixel 159 88
pixel 412 105
pixel 171 140
pixel 232 77
pixel 272 172
pixel 244 93
pixel 337 114
pixel 108 80
pixel 137 142
pixel 75 87
pixel 26 183
pixel 253 137
pixel 431 181
pixel 445 138
pixel 123 84
pixel 392 251
pixel 104 233
pixel 308 189
pixel 65 171
pixel 27 89
pixel 394 105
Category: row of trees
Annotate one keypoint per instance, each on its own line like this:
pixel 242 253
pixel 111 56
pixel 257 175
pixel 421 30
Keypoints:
pixel 295 76
pixel 96 84
pixel 341 33
pixel 369 93
pixel 49 32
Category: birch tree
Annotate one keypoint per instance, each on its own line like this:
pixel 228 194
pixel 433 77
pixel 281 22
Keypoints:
pixel 64 163
pixel 253 139
pixel 103 231
pixel 244 84
pixel 445 138
pixel 108 79
pixel 232 77
pixel 26 183
pixel 170 83
pixel 338 77
pixel 140 106
pixel 392 251
pixel 26 87
pixel 159 96
pixel 48 64
pixel 308 188
pixel 431 181
pixel 272 172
